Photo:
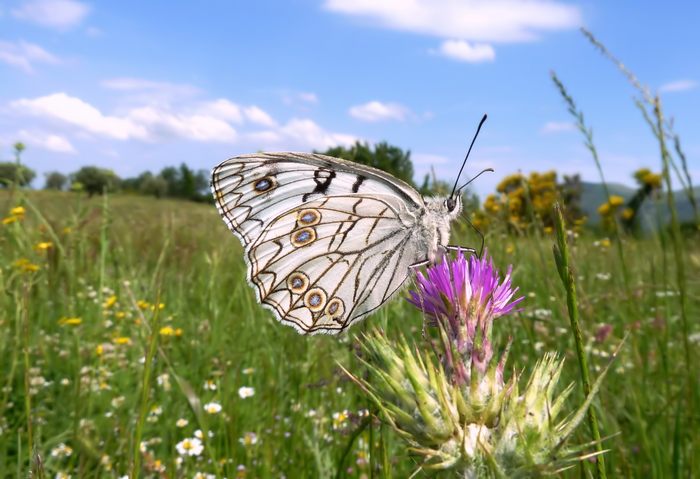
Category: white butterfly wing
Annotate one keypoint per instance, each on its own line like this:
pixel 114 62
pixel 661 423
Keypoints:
pixel 326 241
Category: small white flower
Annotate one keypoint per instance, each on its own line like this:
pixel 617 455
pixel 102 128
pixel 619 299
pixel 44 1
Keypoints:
pixel 61 450
pixel 182 422
pixel 212 407
pixel 248 371
pixel 164 381
pixel 190 447
pixel 198 434
pixel 246 392
pixel 603 276
pixel 249 439
pixel 210 385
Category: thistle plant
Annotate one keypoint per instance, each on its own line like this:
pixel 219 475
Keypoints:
pixel 451 401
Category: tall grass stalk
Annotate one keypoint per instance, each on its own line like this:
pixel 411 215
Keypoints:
pixel 678 248
pixel 654 117
pixel 151 348
pixel 590 145
pixel 563 261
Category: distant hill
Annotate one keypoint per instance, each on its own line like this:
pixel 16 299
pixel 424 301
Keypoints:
pixel 593 195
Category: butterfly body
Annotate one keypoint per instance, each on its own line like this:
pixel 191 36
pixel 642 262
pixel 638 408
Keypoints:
pixel 327 241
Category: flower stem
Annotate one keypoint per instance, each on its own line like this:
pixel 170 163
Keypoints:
pixel 561 256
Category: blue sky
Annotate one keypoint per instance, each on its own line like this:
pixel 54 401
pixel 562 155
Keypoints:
pixel 140 85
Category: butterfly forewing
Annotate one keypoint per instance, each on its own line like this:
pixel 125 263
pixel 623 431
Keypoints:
pixel 326 241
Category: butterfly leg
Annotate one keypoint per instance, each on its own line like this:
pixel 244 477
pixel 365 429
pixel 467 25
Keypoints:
pixel 481 235
pixel 419 264
pixel 452 247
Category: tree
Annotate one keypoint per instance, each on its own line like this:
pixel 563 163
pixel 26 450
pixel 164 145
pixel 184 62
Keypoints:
pixel 17 173
pixel 55 181
pixel 154 186
pixel 94 180
pixel 384 156
pixel 184 182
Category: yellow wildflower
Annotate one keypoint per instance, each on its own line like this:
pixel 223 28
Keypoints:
pixel 125 340
pixel 159 306
pixel 510 248
pixel 652 180
pixel 604 209
pixel 109 302
pixel 70 321
pixel 143 304
pixel 26 266
pixel 548 230
pixel 167 331
pixel 627 213
pixel 605 243
pixel 43 245
pixel 99 350
pixel 178 332
pixel 616 201
pixel 120 315
pixel 9 220
pixel 18 211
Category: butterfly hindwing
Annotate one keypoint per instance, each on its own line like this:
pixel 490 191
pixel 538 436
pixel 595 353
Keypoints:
pixel 326 241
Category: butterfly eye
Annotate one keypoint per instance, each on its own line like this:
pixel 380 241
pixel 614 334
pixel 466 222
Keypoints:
pixel 450 203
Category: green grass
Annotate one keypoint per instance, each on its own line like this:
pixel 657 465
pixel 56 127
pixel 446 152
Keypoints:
pixel 76 385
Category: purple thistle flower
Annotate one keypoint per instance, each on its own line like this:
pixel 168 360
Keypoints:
pixel 464 296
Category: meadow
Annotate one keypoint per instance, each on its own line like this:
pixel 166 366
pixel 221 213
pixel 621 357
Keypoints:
pixel 132 345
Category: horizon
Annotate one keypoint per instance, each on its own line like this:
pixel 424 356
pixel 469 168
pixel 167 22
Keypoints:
pixel 112 85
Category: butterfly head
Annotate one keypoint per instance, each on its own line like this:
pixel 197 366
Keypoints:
pixel 444 207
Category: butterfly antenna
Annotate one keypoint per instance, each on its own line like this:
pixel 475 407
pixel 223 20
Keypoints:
pixel 454 188
pixel 490 170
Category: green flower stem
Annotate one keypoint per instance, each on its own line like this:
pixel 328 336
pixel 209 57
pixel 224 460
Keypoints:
pixel 561 256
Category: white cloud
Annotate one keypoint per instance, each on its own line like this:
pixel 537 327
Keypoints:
pixel 557 127
pixel 476 20
pixel 201 122
pixel 24 55
pixel 57 14
pixel 678 85
pixel 145 123
pixel 50 142
pixel 223 109
pixel 303 99
pixel 257 115
pixel 299 134
pixel 229 111
pixel 374 111
pixel 467 52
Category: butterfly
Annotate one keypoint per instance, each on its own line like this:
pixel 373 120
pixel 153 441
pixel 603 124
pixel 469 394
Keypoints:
pixel 328 241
